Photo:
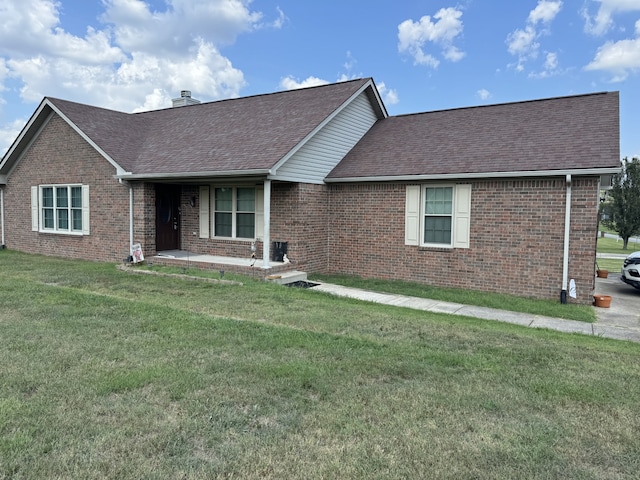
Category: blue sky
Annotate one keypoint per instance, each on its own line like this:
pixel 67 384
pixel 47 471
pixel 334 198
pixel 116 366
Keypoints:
pixel 135 55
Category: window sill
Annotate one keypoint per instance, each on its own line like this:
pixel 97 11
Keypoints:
pixel 435 248
pixel 66 234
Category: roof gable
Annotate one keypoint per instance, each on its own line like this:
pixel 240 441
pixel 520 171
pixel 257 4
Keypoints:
pixel 558 134
pixel 238 136
pixel 244 134
pixel 102 129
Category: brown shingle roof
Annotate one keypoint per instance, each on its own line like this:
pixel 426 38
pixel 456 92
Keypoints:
pixel 578 132
pixel 250 133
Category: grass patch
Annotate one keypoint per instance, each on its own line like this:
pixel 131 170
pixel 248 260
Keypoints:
pixel 613 265
pixel 549 308
pixel 611 245
pixel 104 374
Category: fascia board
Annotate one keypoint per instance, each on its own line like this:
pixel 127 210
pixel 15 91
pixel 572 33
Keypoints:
pixel 285 178
pixel 321 125
pixel 23 133
pixel 194 175
pixel 376 93
pixel 483 175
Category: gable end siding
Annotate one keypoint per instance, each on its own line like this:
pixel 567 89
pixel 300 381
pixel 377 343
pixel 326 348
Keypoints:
pixel 313 162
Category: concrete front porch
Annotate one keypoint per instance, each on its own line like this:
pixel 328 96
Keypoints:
pixel 246 266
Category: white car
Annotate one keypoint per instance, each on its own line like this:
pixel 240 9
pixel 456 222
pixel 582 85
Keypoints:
pixel 631 270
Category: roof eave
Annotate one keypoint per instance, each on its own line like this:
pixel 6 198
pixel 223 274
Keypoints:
pixel 194 175
pixel 479 175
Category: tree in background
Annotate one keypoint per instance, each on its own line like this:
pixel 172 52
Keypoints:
pixel 623 207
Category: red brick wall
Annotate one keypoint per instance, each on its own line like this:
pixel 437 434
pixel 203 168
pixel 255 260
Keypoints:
pixel 298 217
pixel 144 217
pixel 517 226
pixel 517 233
pixel 61 156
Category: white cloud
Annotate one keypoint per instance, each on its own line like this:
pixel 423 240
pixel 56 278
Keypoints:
pixel 618 58
pixel 483 94
pixel 131 61
pixel 31 27
pixel 602 21
pixel 8 133
pixel 137 28
pixel 550 67
pixel 551 63
pixel 290 83
pixel 413 37
pixel 389 95
pixel 544 12
pixel 524 43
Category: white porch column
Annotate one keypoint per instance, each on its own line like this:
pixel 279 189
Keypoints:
pixel 266 240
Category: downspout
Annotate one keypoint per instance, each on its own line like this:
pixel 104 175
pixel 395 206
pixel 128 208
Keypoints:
pixel 565 259
pixel 2 217
pixel 130 219
pixel 266 241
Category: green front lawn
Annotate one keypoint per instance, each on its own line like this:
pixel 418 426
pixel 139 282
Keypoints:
pixel 104 374
pixel 611 245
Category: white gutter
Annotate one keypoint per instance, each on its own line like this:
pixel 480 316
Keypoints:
pixel 194 175
pixel 266 241
pixel 2 215
pixel 466 176
pixel 130 220
pixel 565 258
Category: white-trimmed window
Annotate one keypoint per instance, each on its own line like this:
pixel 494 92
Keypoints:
pixel 438 215
pixel 231 212
pixel 60 209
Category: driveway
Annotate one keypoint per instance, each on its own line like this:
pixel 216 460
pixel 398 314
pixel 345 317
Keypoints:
pixel 625 303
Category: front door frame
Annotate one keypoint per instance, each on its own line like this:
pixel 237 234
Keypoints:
pixel 168 217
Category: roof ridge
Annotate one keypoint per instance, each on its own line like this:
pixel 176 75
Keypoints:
pixel 504 104
pixel 256 95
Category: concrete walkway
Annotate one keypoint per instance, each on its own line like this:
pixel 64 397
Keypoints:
pixel 605 329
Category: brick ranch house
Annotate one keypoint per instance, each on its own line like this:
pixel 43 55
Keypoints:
pixel 499 198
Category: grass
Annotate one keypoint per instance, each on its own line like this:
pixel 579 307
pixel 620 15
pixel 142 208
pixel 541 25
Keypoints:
pixel 549 308
pixel 611 245
pixel 104 374
pixel 610 264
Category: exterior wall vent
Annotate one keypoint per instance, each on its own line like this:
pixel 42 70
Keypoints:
pixel 185 99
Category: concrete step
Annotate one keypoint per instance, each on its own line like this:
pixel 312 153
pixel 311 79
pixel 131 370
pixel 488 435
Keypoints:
pixel 284 278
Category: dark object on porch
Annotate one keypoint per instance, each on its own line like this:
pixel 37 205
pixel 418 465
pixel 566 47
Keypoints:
pixel 279 249
pixel 301 284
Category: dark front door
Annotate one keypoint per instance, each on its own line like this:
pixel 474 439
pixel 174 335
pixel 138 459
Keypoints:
pixel 167 217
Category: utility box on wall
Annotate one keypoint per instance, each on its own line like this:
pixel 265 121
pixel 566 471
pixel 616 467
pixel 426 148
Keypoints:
pixel 279 250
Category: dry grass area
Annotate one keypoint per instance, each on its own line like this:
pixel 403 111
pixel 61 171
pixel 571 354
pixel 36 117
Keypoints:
pixel 104 374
